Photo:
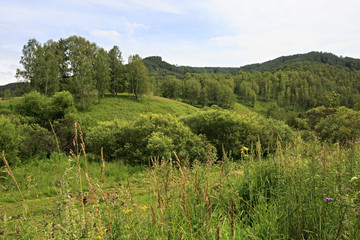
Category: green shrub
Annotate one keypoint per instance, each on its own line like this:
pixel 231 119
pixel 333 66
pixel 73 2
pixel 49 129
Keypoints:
pixel 341 126
pixel 34 105
pixel 61 104
pixel 10 140
pixel 42 109
pixel 230 131
pixel 151 135
pixel 35 140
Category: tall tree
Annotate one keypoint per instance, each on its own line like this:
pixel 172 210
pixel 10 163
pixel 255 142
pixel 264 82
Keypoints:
pixel 47 71
pixel 40 66
pixel 79 56
pixel 102 72
pixel 28 60
pixel 138 76
pixel 118 78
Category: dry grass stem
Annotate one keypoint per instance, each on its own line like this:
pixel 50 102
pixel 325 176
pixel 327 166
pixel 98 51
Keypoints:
pixel 10 173
pixel 106 195
pixel 232 216
pixel 153 216
pixel 76 145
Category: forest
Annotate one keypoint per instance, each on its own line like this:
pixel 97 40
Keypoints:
pixel 263 151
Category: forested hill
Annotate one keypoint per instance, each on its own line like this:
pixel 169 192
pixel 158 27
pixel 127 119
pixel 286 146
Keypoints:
pixel 292 61
pixel 159 68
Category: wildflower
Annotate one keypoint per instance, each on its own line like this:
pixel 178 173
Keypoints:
pixel 329 199
pixel 144 208
pixel 245 149
pixel 2 233
pixel 126 211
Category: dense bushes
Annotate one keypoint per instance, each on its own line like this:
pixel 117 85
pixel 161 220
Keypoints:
pixel 9 139
pixel 27 132
pixel 231 131
pixel 151 135
pixel 340 126
pixel 23 141
pixel 42 109
pixel 160 135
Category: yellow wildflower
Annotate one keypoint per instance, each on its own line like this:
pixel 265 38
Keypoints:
pixel 126 211
pixel 144 208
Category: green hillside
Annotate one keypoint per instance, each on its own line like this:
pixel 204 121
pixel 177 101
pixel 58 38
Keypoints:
pixel 260 155
pixel 125 108
pixel 315 57
pixel 159 68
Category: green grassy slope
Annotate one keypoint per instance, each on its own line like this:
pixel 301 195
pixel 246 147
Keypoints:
pixel 125 107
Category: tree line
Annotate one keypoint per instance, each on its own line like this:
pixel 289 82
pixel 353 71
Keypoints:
pixel 85 69
pixel 76 65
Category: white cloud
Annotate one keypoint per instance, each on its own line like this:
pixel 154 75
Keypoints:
pixel 175 7
pixel 111 35
pixel 222 32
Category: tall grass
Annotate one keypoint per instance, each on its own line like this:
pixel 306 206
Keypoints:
pixel 307 190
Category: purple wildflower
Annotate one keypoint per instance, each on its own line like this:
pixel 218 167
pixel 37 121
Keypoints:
pixel 329 199
pixel 2 233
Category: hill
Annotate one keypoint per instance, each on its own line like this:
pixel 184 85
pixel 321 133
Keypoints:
pixel 159 68
pixel 126 108
pixel 293 60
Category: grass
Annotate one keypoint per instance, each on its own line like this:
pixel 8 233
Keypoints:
pixel 125 108
pixel 305 191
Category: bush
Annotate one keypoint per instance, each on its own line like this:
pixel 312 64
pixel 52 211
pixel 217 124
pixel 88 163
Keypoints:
pixel 42 109
pixel 341 126
pixel 61 103
pixel 10 140
pixel 34 105
pixel 152 135
pixel 35 140
pixel 231 131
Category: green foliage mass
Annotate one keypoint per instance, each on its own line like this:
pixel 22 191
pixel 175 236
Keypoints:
pixel 29 130
pixel 315 57
pixel 338 125
pixel 231 132
pixel 9 139
pixel 151 135
pixel 42 109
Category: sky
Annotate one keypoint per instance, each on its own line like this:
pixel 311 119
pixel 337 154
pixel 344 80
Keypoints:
pixel 225 33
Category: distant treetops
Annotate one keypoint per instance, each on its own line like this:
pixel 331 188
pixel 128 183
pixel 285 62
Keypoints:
pixel 298 82
pixel 82 68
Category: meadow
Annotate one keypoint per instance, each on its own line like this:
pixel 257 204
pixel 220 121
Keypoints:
pixel 301 189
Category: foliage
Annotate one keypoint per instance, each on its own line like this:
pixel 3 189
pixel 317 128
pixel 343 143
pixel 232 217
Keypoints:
pixel 138 76
pixel 102 72
pixel 118 81
pixel 151 135
pixel 341 126
pixel 42 109
pixel 10 139
pixel 316 57
pixel 34 105
pixel 230 132
pixel 306 191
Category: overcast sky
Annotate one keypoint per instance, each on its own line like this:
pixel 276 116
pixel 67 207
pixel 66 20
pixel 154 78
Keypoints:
pixel 228 33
